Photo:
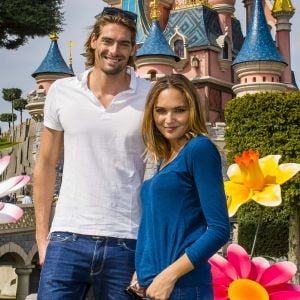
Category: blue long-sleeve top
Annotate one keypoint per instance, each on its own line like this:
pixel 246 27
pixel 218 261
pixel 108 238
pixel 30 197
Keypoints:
pixel 183 211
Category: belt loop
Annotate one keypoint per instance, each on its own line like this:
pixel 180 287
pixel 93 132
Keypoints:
pixel 75 237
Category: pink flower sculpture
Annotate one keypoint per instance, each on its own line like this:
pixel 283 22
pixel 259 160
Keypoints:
pixel 8 212
pixel 240 278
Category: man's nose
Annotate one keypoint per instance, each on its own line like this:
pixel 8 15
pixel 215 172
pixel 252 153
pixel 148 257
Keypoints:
pixel 114 48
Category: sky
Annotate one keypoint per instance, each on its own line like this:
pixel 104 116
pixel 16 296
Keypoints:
pixel 16 66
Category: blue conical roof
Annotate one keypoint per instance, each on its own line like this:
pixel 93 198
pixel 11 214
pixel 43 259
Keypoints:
pixel 258 44
pixel 156 44
pixel 53 62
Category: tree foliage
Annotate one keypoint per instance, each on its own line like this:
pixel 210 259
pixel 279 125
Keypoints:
pixel 269 123
pixel 11 94
pixel 19 105
pixel 23 19
pixel 7 117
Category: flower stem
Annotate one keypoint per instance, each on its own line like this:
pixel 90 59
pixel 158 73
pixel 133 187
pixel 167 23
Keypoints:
pixel 257 229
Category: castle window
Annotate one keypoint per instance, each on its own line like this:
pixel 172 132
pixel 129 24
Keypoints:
pixel 152 75
pixel 272 79
pixel 179 48
pixel 195 62
pixel 245 80
pixel 225 50
pixel 254 79
pixel 264 78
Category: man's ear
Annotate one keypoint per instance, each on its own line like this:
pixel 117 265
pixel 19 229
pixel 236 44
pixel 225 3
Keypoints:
pixel 93 41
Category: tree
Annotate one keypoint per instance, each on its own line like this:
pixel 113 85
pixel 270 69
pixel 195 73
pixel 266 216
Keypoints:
pixel 19 105
pixel 23 19
pixel 10 95
pixel 8 118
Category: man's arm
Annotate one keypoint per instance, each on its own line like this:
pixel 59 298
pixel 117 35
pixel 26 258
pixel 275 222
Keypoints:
pixel 43 183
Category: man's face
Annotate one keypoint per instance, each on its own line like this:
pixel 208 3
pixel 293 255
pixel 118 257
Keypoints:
pixel 112 49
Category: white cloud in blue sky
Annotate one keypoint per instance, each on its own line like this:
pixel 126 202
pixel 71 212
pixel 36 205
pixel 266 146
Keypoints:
pixel 17 66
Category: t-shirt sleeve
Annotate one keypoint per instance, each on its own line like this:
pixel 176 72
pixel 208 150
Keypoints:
pixel 51 110
pixel 204 162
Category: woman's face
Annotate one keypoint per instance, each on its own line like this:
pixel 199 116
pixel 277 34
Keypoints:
pixel 171 115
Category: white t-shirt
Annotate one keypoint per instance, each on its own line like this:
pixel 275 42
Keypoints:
pixel 103 163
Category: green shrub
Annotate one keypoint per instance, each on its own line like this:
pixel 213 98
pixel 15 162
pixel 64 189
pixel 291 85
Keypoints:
pixel 268 123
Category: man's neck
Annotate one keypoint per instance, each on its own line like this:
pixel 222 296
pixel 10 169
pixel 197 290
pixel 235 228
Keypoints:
pixel 105 86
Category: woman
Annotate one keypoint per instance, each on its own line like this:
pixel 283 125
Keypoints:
pixel 184 214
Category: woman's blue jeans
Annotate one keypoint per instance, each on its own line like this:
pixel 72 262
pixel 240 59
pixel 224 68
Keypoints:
pixel 203 292
pixel 75 262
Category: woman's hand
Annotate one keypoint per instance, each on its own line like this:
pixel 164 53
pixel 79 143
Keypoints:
pixel 134 286
pixel 161 286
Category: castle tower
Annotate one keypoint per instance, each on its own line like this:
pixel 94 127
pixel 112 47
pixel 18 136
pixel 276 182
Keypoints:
pixel 283 11
pixel 51 68
pixel 225 9
pixel 248 6
pixel 258 65
pixel 155 58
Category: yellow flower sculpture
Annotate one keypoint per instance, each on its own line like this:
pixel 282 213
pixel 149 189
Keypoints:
pixel 256 179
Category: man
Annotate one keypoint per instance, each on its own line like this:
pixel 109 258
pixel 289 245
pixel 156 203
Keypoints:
pixel 27 199
pixel 95 118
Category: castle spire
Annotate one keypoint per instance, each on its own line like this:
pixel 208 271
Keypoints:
pixel 154 11
pixel 259 65
pixel 283 6
pixel 53 63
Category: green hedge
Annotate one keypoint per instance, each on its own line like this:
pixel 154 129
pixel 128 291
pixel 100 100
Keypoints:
pixel 269 123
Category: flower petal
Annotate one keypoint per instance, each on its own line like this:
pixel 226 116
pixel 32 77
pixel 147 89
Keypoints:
pixel 269 196
pixel 234 173
pixel 238 195
pixel 286 295
pixel 220 293
pixel 224 266
pixel 10 213
pixel 4 161
pixel 269 164
pixel 12 184
pixel 260 264
pixel 219 277
pixel 283 287
pixel 239 258
pixel 278 273
pixel 287 171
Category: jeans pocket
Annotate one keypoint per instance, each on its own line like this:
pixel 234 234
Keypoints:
pixel 60 237
pixel 128 245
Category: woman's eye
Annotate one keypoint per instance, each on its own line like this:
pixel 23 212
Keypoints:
pixel 180 110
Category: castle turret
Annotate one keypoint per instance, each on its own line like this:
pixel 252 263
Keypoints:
pixel 51 68
pixel 155 58
pixel 259 64
pixel 225 9
pixel 283 11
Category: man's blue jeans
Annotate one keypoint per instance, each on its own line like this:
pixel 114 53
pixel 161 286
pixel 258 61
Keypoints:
pixel 75 262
